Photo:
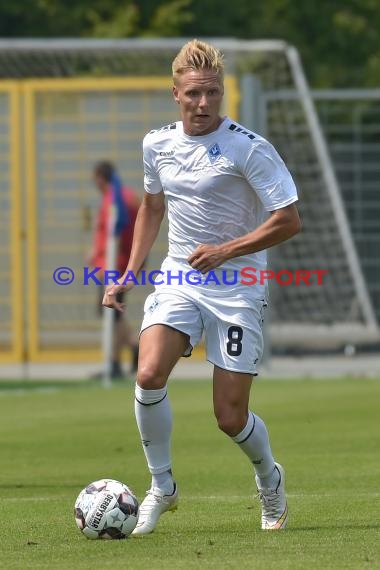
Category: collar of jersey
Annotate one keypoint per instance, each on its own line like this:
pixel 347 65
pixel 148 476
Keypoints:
pixel 199 138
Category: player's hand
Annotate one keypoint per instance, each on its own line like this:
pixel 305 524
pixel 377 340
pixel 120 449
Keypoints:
pixel 109 298
pixel 206 257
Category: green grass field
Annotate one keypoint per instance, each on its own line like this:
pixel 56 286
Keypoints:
pixel 326 434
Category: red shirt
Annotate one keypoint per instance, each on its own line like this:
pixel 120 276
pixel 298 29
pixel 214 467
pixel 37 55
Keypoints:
pixel 125 239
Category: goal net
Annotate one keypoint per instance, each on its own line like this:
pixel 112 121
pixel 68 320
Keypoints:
pixel 274 100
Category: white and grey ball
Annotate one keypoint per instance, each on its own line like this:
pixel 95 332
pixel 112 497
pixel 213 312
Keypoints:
pixel 106 509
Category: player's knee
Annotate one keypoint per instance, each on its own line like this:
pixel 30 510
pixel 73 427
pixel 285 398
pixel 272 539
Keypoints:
pixel 231 423
pixel 150 377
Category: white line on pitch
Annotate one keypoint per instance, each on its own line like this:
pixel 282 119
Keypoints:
pixel 211 497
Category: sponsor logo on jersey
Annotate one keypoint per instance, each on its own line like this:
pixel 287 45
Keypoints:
pixel 167 153
pixel 214 152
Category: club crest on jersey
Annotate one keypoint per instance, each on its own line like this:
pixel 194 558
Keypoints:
pixel 214 152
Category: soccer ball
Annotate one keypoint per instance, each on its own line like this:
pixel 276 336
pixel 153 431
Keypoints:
pixel 106 509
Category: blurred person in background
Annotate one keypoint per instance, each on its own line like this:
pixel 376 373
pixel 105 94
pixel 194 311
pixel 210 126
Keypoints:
pixel 105 178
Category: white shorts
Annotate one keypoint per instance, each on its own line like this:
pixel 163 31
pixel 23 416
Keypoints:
pixel 233 333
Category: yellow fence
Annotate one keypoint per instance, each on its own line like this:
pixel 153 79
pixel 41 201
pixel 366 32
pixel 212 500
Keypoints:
pixel 11 276
pixel 51 134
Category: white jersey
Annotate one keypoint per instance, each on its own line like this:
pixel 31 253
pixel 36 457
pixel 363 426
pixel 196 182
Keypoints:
pixel 219 187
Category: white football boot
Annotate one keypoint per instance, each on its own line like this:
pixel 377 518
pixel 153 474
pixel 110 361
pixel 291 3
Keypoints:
pixel 274 507
pixel 153 506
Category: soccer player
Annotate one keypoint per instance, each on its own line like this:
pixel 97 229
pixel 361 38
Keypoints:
pixel 230 197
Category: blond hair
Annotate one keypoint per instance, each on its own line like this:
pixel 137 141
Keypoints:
pixel 197 55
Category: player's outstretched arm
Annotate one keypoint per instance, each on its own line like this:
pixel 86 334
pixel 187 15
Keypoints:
pixel 282 224
pixel 148 222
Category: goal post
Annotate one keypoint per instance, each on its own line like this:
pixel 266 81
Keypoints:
pixel 332 187
pixel 284 111
pixel 274 100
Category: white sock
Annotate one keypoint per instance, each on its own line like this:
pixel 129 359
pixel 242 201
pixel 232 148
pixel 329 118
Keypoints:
pixel 163 481
pixel 254 441
pixel 154 420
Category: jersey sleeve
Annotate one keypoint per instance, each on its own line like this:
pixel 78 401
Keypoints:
pixel 152 183
pixel 267 174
